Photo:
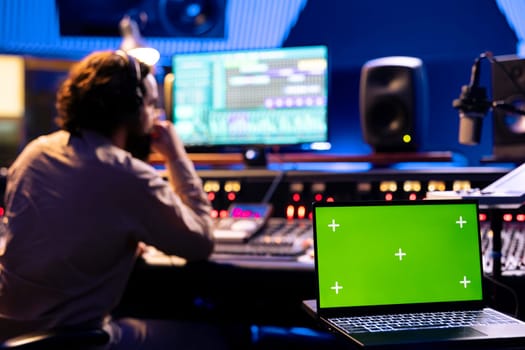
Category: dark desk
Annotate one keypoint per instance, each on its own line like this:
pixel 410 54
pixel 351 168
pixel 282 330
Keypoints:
pixel 257 292
pixel 258 295
pixel 265 293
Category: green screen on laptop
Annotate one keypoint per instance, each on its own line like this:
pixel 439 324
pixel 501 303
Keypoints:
pixel 389 254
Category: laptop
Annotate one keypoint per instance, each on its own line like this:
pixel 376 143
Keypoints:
pixel 383 267
pixel 507 192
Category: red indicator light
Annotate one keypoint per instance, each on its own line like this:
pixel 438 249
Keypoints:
pixel 330 199
pixel 296 197
pixel 223 213
pixel 211 196
pixel 412 197
pixel 231 196
pixel 214 213
pixel 507 217
pixel 482 217
pixel 318 197
pixel 2 211
pixel 389 196
pixel 520 217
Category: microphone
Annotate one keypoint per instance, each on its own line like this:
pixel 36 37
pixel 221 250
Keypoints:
pixel 473 106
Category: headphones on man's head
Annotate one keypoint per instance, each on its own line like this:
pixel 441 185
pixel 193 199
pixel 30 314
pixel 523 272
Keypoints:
pixel 135 73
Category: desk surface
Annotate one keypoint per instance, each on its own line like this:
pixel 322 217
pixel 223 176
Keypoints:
pixel 304 262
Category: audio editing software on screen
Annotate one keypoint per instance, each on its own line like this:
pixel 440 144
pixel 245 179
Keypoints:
pixel 258 97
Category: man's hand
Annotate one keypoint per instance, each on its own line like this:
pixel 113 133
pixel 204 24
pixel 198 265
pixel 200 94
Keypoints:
pixel 166 141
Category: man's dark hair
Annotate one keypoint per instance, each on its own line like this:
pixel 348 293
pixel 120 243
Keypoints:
pixel 101 92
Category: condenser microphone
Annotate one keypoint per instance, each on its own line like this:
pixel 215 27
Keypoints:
pixel 472 105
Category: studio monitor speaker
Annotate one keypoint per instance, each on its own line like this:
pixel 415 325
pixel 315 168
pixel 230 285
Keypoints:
pixel 393 103
pixel 508 86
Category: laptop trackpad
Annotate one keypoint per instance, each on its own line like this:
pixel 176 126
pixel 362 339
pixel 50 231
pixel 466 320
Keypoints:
pixel 418 336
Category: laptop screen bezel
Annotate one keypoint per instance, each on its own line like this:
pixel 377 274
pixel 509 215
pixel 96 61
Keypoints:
pixel 396 308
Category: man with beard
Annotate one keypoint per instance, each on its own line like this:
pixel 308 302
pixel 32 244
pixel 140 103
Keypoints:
pixel 80 202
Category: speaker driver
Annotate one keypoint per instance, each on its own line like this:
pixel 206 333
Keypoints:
pixel 192 17
pixel 387 116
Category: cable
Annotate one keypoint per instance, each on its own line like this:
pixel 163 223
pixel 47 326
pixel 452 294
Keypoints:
pixel 271 190
pixel 509 289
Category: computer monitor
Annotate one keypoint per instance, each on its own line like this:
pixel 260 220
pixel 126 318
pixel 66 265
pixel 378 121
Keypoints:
pixel 251 98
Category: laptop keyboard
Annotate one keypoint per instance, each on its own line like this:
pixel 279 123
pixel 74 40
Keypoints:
pixel 411 321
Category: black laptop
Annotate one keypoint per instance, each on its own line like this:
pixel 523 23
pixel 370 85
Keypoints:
pixel 405 273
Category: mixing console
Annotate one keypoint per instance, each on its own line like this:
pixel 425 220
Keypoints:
pixel 512 248
pixel 292 192
pixel 280 238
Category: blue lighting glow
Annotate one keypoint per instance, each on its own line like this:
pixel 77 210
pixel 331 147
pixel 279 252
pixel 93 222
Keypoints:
pixel 32 27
